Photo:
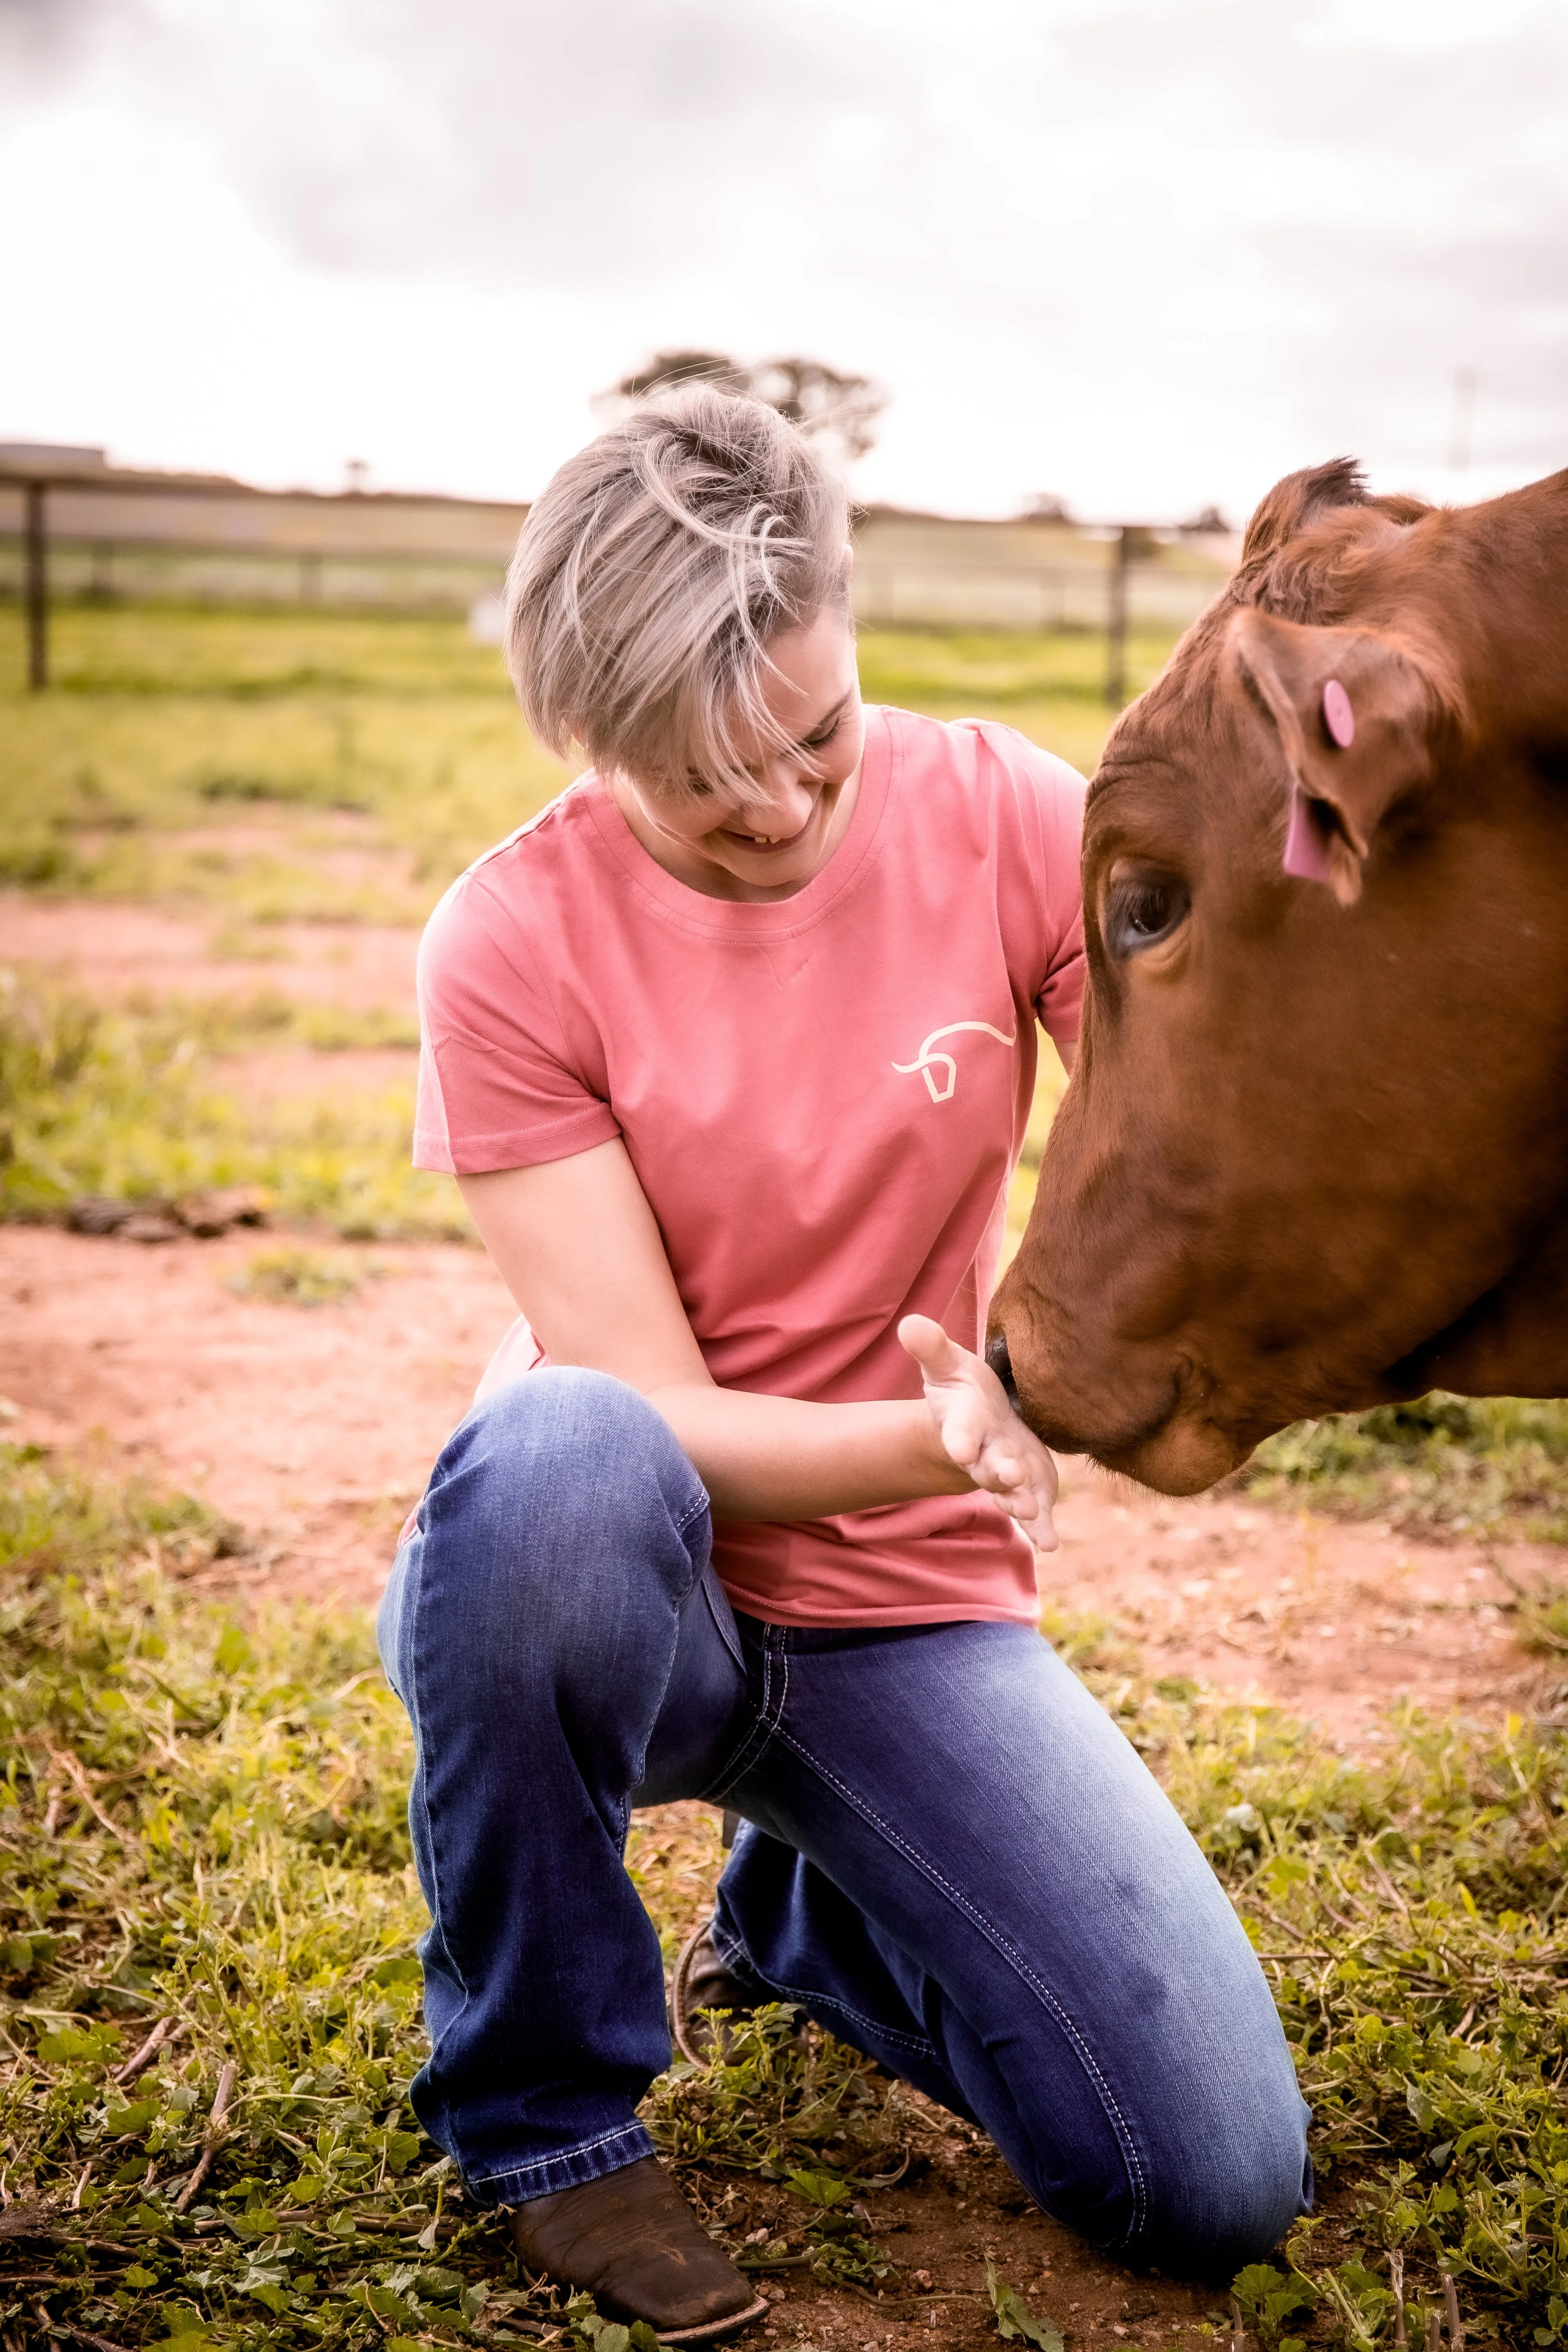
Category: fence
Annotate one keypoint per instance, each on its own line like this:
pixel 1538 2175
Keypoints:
pixel 90 530
pixel 71 526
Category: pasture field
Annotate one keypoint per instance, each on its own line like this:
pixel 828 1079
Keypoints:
pixel 288 766
pixel 210 2010
pixel 323 765
pixel 275 766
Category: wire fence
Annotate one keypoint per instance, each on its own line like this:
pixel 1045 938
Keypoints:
pixel 87 532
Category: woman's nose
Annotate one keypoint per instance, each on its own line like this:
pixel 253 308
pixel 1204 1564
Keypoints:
pixel 789 804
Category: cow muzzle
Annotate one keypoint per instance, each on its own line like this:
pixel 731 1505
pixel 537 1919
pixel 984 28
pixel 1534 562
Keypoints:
pixel 1001 1363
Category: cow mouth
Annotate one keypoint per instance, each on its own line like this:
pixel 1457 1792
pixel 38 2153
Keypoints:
pixel 1178 1447
pixel 1184 1455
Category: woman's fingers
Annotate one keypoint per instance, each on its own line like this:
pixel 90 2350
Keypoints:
pixel 979 1429
pixel 939 1357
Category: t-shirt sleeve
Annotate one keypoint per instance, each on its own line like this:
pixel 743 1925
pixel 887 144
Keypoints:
pixel 1047 800
pixel 498 1086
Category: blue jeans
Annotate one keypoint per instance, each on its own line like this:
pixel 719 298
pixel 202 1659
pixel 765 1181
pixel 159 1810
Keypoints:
pixel 951 1856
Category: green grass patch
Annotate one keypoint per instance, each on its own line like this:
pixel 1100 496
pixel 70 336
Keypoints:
pixel 202 1831
pixel 302 1277
pixel 167 726
pixel 1487 1466
pixel 1050 687
pixel 125 1105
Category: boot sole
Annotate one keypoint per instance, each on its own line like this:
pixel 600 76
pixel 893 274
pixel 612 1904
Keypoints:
pixel 713 2330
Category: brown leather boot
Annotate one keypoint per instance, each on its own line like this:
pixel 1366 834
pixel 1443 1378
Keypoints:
pixel 702 1982
pixel 633 2243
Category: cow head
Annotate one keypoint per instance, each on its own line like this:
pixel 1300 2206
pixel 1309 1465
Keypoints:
pixel 1319 1123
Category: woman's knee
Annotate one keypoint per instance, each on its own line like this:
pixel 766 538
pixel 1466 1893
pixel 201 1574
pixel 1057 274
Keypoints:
pixel 1227 2197
pixel 565 1485
pixel 565 1466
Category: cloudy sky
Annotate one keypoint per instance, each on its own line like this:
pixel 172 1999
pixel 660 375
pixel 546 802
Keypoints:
pixel 1145 254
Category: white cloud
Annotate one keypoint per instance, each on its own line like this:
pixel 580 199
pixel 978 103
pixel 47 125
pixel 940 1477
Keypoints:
pixel 1144 252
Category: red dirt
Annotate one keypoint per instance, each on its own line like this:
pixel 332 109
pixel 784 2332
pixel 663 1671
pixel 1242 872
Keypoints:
pixel 110 949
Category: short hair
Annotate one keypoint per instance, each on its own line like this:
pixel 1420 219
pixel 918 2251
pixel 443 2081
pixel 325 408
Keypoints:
pixel 652 573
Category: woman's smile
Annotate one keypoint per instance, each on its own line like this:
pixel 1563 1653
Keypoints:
pixel 771 842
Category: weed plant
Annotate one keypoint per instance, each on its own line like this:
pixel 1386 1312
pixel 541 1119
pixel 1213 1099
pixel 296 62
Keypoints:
pixel 206 1882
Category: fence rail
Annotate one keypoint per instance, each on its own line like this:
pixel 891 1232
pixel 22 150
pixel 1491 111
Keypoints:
pixel 101 534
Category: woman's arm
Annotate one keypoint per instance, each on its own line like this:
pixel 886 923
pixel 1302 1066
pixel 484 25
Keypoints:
pixel 579 1249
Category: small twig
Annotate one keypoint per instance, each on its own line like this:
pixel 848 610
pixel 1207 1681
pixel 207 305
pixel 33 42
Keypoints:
pixel 1238 2328
pixel 1455 2327
pixel 80 2335
pixel 1434 2333
pixel 215 2136
pixel 1396 2281
pixel 162 2031
pixel 74 1772
pixel 81 2184
pixel 904 2302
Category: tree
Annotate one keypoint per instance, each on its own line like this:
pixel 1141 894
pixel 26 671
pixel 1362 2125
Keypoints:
pixel 831 407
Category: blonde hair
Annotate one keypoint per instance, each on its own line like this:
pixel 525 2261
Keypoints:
pixel 650 576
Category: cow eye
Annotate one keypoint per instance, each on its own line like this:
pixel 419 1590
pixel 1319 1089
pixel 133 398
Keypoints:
pixel 1141 909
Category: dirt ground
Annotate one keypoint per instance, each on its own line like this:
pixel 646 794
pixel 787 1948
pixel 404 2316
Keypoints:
pixel 315 1430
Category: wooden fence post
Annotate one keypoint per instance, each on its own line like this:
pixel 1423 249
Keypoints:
pixel 1116 628
pixel 37 593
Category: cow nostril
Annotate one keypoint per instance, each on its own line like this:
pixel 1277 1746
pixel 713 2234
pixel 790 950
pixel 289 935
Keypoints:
pixel 1001 1363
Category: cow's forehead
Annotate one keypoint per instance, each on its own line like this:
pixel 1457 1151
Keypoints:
pixel 1187 755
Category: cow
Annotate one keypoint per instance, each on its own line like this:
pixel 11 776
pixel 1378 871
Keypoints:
pixel 1314 1156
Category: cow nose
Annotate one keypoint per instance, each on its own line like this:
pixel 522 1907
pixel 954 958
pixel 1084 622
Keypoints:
pixel 1001 1363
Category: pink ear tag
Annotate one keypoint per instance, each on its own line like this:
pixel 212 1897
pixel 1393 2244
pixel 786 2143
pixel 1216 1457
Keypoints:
pixel 1306 851
pixel 1337 716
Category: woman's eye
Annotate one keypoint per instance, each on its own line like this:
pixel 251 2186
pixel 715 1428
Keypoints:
pixel 1141 909
pixel 821 742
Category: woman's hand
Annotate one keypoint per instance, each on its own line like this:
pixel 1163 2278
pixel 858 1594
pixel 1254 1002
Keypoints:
pixel 980 1431
pixel 582 1254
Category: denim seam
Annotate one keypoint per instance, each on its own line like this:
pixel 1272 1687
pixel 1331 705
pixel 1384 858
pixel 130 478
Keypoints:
pixel 692 1591
pixel 769 1715
pixel 422 1753
pixel 697 1507
pixel 633 2130
pixel 807 1999
pixel 1016 1960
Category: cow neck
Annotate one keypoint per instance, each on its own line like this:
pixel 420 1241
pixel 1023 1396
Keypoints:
pixel 759 919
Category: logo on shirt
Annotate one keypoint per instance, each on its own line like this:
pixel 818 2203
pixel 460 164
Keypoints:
pixel 927 1061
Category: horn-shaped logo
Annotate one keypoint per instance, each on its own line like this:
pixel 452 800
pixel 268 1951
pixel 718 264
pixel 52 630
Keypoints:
pixel 928 1062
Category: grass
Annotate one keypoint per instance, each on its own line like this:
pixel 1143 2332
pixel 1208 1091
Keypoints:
pixel 202 1831
pixel 1486 1466
pixel 287 765
pixel 126 1104
pixel 302 1277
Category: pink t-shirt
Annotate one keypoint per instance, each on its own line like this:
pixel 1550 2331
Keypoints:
pixel 824 1097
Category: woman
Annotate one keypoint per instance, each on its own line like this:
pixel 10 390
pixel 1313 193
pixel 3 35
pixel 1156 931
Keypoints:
pixel 732 1051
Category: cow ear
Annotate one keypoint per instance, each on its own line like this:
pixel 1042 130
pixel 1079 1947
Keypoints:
pixel 1355 716
pixel 1302 499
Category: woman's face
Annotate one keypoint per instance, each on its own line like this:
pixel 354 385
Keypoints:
pixel 768 843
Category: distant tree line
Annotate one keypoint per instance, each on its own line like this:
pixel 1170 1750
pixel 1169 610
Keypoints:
pixel 823 402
